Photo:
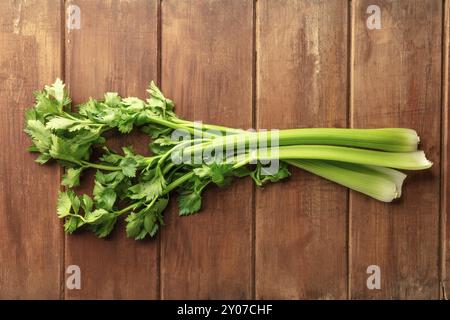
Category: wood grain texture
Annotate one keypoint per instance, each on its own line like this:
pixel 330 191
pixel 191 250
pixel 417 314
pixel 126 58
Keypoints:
pixel 304 238
pixel 207 70
pixel 445 217
pixel 31 239
pixel 396 81
pixel 115 50
pixel 301 82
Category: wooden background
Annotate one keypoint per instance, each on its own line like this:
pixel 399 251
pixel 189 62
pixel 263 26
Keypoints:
pixel 242 63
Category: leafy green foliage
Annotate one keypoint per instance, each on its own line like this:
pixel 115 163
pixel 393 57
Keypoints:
pixel 104 222
pixel 155 131
pixel 71 207
pixel 125 182
pixel 190 193
pixel 40 135
pixel 189 202
pixel 68 206
pixel 72 177
pixel 146 221
pixel 220 174
pixel 162 144
pixel 57 92
pixel 108 187
pixel 262 176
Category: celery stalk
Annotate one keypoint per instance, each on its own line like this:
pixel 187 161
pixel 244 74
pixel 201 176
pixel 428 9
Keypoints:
pixel 398 160
pixel 385 139
pixel 381 185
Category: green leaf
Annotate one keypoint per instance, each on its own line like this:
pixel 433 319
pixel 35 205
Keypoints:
pixel 105 197
pixel 261 175
pixel 41 136
pixel 155 131
pixel 104 224
pixel 31 114
pixel 45 106
pixel 160 205
pixel 70 149
pixel 32 148
pixel 147 220
pixel 129 167
pixel 189 202
pixel 162 144
pixel 112 99
pixel 111 179
pixel 242 172
pixel 72 223
pixel 128 151
pixel 154 91
pixel 150 224
pixel 43 158
pixel 90 108
pixel 58 123
pixel 111 158
pixel 86 203
pixel 63 204
pixel 157 101
pixel 56 90
pixel 135 224
pixel 149 189
pixel 122 187
pixel 83 126
pixel 110 116
pixel 133 104
pixel 203 171
pixel 220 174
pixel 61 149
pixel 153 216
pixel 75 201
pixel 166 141
pixel 282 173
pixel 72 177
pixel 93 216
pixel 126 125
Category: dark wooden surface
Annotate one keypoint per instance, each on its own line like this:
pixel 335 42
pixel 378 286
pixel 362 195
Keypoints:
pixel 117 52
pixel 31 239
pixel 397 83
pixel 209 42
pixel 241 63
pixel 301 82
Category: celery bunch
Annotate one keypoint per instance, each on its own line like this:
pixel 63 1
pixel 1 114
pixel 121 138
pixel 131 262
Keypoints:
pixel 126 183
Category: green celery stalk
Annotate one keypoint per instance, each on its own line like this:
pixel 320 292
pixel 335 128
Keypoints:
pixel 399 160
pixel 380 183
pixel 385 139
pixel 397 177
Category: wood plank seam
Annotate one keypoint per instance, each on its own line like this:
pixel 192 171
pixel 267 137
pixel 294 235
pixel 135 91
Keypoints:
pixel 350 55
pixel 444 148
pixel 63 77
pixel 254 84
pixel 158 75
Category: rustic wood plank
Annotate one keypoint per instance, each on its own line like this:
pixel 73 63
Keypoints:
pixel 301 82
pixel 207 70
pixel 31 238
pixel 115 50
pixel 396 81
pixel 445 217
